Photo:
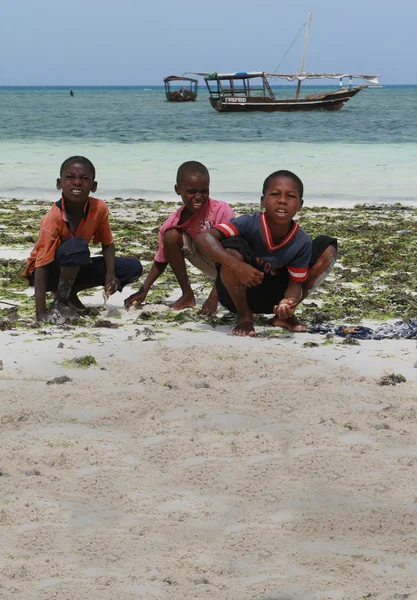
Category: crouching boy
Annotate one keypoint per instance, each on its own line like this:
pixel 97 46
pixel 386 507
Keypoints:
pixel 60 261
pixel 266 262
pixel 177 235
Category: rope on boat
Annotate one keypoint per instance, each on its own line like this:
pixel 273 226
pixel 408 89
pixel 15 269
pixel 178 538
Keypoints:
pixel 289 48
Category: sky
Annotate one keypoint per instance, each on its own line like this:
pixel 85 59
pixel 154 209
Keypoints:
pixel 138 42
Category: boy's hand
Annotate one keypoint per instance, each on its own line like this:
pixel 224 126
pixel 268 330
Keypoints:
pixel 136 298
pixel 248 275
pixel 286 308
pixel 111 285
pixel 209 307
pixel 55 317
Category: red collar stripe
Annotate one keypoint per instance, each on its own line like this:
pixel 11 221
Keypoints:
pixel 268 236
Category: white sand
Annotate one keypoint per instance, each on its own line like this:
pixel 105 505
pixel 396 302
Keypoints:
pixel 200 465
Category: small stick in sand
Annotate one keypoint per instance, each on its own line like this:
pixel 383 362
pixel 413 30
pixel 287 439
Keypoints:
pixel 9 303
pixel 106 296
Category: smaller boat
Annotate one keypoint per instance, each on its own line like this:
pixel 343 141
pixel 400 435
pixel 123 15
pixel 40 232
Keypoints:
pixel 180 89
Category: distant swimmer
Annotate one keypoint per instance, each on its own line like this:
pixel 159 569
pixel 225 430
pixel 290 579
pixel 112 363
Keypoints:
pixel 72 93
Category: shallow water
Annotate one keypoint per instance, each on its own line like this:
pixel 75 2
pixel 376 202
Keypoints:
pixel 364 153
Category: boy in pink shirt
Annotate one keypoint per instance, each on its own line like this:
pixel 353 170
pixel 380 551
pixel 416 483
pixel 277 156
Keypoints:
pixel 177 234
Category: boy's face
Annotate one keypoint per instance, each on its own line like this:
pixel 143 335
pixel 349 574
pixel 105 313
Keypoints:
pixel 76 183
pixel 194 189
pixel 281 200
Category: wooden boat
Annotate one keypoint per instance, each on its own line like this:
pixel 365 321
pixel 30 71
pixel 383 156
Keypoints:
pixel 237 92
pixel 180 89
pixel 245 92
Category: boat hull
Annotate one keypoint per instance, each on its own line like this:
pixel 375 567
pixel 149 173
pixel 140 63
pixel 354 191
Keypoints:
pixel 178 97
pixel 326 101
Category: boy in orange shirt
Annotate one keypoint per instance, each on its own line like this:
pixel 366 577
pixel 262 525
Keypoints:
pixel 60 260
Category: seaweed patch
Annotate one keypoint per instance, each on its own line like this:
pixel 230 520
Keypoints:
pixel 375 276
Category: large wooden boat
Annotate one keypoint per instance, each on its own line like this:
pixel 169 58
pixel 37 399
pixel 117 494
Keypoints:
pixel 180 89
pixel 245 92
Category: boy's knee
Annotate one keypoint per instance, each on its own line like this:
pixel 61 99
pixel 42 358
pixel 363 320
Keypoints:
pixel 128 270
pixel 332 250
pixel 135 268
pixel 173 237
pixel 329 256
pixel 320 269
pixel 73 252
pixel 77 243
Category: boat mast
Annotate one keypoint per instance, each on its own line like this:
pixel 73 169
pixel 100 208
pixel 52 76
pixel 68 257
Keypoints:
pixel 304 53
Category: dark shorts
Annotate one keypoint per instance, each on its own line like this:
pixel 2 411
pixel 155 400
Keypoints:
pixel 92 273
pixel 262 298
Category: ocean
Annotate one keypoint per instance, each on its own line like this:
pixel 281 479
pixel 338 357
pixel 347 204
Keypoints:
pixel 367 152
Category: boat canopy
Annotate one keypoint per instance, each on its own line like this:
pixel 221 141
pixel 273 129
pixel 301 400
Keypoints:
pixel 303 76
pixel 239 75
pixel 177 78
pixel 289 77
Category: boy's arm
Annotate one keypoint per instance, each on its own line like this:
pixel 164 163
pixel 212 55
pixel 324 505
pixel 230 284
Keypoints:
pixel 40 293
pixel 292 296
pixel 111 283
pixel 209 243
pixel 138 297
pixel 294 292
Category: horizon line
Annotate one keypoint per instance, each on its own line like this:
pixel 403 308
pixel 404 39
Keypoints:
pixel 140 85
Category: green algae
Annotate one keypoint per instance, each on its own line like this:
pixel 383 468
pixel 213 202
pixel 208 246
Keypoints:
pixel 81 362
pixel 392 379
pixel 375 276
pixel 310 344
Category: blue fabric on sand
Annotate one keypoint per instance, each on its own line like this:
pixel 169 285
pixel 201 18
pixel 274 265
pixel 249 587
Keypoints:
pixel 397 330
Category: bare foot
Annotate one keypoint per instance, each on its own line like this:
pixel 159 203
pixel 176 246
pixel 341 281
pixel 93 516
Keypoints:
pixel 88 311
pixel 75 303
pixel 292 324
pixel 186 301
pixel 244 326
pixel 60 313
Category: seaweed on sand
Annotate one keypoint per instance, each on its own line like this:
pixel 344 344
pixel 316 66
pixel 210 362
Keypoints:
pixel 82 362
pixel 375 276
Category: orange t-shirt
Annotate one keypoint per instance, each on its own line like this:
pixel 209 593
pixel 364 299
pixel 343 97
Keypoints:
pixel 54 230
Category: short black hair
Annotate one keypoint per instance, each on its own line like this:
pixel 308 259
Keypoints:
pixel 191 167
pixel 283 173
pixel 78 159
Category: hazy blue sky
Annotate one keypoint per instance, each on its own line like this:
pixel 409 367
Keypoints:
pixel 135 42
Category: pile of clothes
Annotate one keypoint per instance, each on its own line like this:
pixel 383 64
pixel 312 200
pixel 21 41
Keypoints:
pixel 398 330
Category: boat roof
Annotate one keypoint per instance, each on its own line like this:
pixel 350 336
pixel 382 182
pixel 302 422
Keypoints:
pixel 302 76
pixel 179 78
pixel 288 76
pixel 238 75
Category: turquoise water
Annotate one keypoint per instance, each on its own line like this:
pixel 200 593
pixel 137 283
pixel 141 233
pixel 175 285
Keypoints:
pixel 365 152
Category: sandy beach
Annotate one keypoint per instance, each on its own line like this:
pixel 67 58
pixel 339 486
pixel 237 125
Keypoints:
pixel 193 464
pixel 187 463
